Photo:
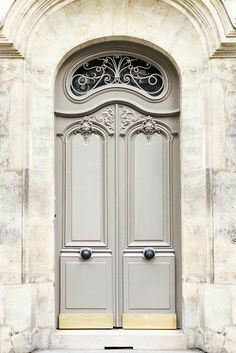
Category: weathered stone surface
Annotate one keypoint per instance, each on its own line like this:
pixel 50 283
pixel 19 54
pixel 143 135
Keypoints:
pixel 2 304
pixel 233 298
pixel 225 230
pixel 40 255
pixel 5 335
pixel 10 227
pixel 19 307
pixel 217 307
pixel 230 343
pixel 45 305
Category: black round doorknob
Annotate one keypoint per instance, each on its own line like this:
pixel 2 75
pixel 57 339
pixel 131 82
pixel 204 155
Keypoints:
pixel 149 253
pixel 85 254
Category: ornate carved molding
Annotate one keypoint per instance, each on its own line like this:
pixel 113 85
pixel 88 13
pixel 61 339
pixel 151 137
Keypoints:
pixel 149 127
pixel 127 116
pixel 90 124
pixel 145 124
pixel 106 117
pixel 85 128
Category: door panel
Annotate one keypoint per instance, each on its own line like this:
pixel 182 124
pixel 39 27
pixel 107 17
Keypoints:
pixel 115 181
pixel 149 286
pixel 87 189
pixel 86 171
pixel 86 289
pixel 149 292
pixel 148 163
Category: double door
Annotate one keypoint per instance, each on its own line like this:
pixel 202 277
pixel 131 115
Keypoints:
pixel 115 219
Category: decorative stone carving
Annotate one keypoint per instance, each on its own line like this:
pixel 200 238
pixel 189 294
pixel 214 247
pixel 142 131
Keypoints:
pixel 127 116
pixel 106 117
pixel 149 127
pixel 85 128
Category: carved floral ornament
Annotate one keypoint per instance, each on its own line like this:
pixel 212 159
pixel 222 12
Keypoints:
pixel 118 70
pixel 149 127
pixel 104 119
pixel 85 128
pixel 146 124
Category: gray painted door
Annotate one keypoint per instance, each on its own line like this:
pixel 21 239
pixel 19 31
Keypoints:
pixel 115 220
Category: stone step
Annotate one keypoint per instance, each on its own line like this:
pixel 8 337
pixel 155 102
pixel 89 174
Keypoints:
pixel 141 340
pixel 117 351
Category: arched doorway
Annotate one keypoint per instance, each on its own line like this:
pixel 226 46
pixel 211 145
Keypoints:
pixel 117 189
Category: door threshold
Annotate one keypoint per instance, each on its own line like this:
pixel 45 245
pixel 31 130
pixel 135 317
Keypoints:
pixel 138 339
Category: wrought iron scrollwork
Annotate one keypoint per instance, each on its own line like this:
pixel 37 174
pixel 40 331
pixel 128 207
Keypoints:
pixel 117 70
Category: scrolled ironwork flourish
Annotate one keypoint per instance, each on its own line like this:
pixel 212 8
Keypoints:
pixel 117 70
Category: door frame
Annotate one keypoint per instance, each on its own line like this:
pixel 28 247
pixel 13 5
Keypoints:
pixel 147 108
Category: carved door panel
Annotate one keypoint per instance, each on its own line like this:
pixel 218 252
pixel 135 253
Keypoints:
pixel 148 258
pixel 85 219
pixel 115 220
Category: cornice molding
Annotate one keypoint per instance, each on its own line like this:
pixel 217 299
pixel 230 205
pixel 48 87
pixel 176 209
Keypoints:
pixel 226 50
pixel 7 50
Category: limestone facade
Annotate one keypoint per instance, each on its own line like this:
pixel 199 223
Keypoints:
pixel 200 39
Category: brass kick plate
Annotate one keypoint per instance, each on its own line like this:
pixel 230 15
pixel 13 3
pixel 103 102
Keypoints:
pixel 155 321
pixel 85 321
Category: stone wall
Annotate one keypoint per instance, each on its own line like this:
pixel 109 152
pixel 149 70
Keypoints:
pixel 43 35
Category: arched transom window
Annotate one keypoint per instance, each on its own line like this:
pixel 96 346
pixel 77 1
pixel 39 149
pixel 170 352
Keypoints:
pixel 118 71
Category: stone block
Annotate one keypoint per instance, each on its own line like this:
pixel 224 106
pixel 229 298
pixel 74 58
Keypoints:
pixel 19 307
pixel 217 307
pixel 40 252
pixel 224 227
pixel 195 257
pixel 2 304
pixel 230 342
pixel 10 227
pixel 45 305
pixel 41 338
pixel 21 342
pixel 10 249
pixel 5 339
pixel 233 298
pixel 191 318
pixel 214 341
pixel 40 194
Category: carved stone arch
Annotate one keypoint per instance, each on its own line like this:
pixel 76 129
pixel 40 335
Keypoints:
pixel 211 20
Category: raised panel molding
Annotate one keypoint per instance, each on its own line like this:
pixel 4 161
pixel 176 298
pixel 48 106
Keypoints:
pixel 149 285
pixel 95 130
pixel 133 124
